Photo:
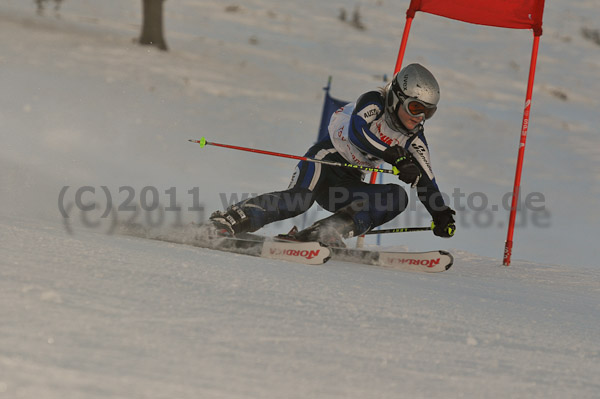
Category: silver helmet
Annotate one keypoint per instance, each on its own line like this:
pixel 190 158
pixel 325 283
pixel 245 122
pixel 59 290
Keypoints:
pixel 413 82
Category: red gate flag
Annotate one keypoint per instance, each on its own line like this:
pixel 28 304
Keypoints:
pixel 515 14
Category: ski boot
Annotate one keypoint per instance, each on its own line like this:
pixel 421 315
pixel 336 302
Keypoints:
pixel 229 223
pixel 330 231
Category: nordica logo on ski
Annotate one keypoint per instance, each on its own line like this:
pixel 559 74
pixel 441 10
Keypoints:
pixel 296 253
pixel 417 262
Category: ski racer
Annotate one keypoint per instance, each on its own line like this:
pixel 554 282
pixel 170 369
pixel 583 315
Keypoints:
pixel 382 125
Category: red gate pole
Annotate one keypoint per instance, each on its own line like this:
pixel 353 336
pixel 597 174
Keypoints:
pixel 407 25
pixel 398 66
pixel 525 126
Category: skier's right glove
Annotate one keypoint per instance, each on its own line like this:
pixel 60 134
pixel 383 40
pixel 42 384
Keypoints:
pixel 443 222
pixel 403 164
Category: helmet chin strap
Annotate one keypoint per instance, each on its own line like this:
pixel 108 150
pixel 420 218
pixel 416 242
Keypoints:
pixel 414 129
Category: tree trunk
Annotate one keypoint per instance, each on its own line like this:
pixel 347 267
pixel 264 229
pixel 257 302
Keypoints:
pixel 152 25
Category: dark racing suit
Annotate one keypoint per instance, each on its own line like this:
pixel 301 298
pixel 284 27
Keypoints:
pixel 358 134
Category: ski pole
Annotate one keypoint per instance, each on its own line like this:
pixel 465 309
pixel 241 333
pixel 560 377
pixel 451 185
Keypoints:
pixel 450 230
pixel 203 143
pixel 400 230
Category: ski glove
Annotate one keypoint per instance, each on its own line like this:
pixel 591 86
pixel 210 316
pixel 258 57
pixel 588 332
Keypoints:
pixel 443 222
pixel 403 164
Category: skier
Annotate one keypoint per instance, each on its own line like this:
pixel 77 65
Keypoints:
pixel 382 125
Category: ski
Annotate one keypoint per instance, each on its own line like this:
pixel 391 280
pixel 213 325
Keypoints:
pixel 285 247
pixel 308 253
pixel 429 262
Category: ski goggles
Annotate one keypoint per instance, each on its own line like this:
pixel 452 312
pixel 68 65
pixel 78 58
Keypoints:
pixel 412 105
pixel 416 107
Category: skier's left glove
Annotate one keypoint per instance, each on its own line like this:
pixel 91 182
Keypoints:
pixel 443 222
pixel 403 164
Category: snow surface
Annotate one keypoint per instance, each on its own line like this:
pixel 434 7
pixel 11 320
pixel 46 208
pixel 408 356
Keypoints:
pixel 94 315
pixel 87 314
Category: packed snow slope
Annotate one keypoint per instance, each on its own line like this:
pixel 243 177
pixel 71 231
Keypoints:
pixel 101 316
pixel 90 313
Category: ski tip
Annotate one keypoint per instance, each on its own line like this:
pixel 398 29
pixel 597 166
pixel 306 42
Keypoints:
pixel 449 265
